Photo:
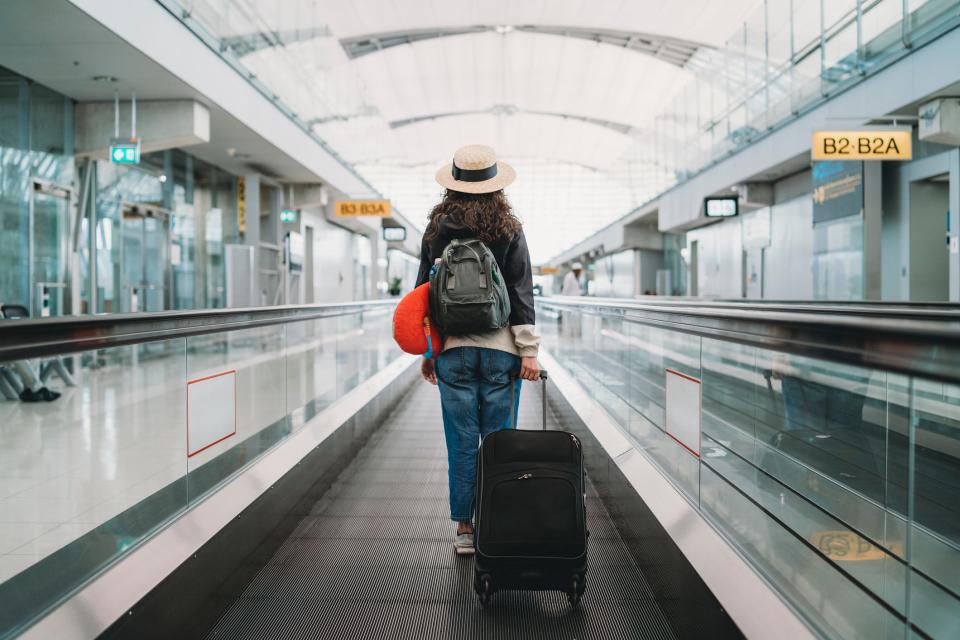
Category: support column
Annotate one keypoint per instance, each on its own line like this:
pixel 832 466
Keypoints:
pixel 273 279
pixel 199 257
pixel 26 218
pixel 251 234
pixel 872 227
pixel 377 270
pixel 166 189
pixel 93 294
pixel 954 240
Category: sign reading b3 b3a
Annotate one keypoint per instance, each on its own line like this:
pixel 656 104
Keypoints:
pixel 871 144
pixel 358 208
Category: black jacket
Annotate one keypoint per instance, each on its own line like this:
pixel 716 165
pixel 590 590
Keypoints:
pixel 511 255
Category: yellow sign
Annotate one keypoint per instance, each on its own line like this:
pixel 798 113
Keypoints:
pixel 241 205
pixel 354 208
pixel 846 546
pixel 549 270
pixel 889 144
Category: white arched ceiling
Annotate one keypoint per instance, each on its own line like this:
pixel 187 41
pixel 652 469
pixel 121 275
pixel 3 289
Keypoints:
pixel 516 136
pixel 533 71
pixel 706 21
pixel 399 112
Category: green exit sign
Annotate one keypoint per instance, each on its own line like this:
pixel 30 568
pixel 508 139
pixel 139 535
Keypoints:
pixel 289 215
pixel 125 151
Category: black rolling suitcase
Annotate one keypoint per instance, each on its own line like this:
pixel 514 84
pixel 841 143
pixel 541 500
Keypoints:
pixel 531 531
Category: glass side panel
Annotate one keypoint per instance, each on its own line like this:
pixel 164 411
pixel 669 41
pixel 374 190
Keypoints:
pixel 934 539
pixel 349 358
pixel 143 432
pixel 85 477
pixel 250 369
pixel 807 579
pixel 311 365
pixel 837 482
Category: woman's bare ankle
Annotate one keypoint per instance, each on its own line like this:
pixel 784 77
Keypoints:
pixel 464 527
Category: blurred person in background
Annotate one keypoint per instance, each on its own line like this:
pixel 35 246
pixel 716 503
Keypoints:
pixel 571 282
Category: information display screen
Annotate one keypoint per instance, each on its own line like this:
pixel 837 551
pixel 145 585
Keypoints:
pixel 723 207
pixel 394 234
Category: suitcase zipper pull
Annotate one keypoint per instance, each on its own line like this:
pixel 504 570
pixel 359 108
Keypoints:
pixel 525 476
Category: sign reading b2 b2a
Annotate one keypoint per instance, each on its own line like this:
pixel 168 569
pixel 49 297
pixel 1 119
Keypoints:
pixel 870 144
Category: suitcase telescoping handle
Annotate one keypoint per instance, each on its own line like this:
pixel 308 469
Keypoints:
pixel 543 400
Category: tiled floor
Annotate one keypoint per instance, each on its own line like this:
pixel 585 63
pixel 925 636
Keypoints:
pixel 119 435
pixel 374 559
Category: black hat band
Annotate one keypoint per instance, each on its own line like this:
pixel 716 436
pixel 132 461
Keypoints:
pixel 474 175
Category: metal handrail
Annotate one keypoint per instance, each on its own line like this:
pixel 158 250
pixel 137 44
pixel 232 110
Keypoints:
pixel 874 308
pixel 915 340
pixel 31 338
pixel 918 342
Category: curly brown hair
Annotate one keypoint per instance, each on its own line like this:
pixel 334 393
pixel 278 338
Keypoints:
pixel 488 215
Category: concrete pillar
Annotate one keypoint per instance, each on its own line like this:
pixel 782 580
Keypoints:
pixel 167 187
pixel 954 248
pixel 26 236
pixel 188 178
pixel 251 232
pixel 378 268
pixel 272 277
pixel 872 227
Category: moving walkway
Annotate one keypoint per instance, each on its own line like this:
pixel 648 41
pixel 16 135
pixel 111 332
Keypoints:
pixel 812 494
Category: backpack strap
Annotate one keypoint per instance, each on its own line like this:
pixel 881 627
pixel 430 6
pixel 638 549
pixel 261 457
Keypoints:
pixel 480 258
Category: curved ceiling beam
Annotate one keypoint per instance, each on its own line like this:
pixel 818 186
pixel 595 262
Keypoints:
pixel 509 110
pixel 247 43
pixel 675 51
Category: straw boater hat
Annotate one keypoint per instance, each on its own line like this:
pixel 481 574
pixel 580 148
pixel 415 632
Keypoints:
pixel 475 170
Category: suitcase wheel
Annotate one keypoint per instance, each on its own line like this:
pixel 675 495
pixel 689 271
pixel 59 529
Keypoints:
pixel 576 591
pixel 484 588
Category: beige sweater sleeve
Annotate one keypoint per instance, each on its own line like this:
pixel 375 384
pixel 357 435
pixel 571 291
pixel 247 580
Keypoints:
pixel 527 340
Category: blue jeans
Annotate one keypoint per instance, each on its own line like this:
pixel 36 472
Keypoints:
pixel 475 398
pixel 813 405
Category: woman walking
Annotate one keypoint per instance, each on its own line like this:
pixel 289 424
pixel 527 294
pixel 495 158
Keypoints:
pixel 475 372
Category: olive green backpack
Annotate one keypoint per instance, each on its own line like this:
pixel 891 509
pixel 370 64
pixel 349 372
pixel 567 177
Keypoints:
pixel 467 291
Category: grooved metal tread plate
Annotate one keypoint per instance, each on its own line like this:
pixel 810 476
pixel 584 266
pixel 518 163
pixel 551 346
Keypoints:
pixel 374 559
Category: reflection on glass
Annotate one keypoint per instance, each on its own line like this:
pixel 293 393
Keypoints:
pixel 255 360
pixel 838 482
pixel 121 453
pixel 87 476
pixel 311 365
pixel 838 259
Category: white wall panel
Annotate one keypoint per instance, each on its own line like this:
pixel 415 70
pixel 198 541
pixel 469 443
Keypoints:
pixel 614 275
pixel 788 262
pixel 333 259
pixel 720 259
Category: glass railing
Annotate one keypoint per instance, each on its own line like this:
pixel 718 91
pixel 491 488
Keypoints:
pixel 157 410
pixel 788 57
pixel 828 444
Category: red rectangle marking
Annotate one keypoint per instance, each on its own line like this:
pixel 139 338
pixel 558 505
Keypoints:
pixel 699 413
pixel 190 454
pixel 682 375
